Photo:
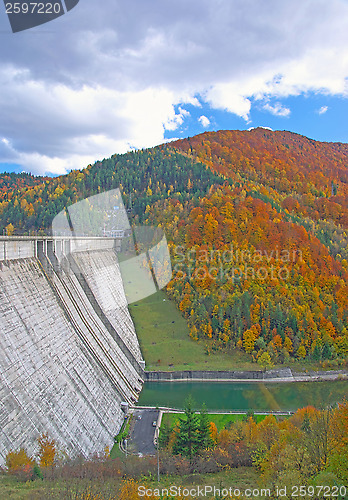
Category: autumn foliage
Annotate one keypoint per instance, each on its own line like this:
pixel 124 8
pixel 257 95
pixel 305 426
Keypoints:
pixel 18 463
pixel 257 224
pixel 47 451
pixel 305 447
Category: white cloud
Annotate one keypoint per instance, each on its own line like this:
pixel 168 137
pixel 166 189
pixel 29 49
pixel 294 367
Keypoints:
pixel 322 110
pixel 204 121
pixel 277 109
pixel 174 121
pixel 104 78
pixel 83 124
pixel 228 96
pixel 260 126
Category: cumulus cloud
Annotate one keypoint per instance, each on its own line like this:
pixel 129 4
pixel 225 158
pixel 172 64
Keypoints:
pixel 66 128
pixel 277 109
pixel 104 78
pixel 229 97
pixel 174 121
pixel 204 121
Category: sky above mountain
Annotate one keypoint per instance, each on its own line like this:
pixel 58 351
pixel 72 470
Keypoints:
pixel 111 76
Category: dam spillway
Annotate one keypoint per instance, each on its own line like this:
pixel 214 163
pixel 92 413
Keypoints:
pixel 69 354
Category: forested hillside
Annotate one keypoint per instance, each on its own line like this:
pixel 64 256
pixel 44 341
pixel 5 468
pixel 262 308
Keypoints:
pixel 148 176
pixel 258 229
pixel 282 293
pixel 11 181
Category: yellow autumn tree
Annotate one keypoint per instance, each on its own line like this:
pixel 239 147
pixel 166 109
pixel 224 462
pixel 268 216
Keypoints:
pixel 213 432
pixel 10 229
pixel 288 344
pixel 265 361
pixel 301 352
pixel 47 450
pixel 249 337
pixel 18 460
pixel 194 333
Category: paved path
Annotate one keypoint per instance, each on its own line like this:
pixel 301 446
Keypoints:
pixel 166 409
pixel 142 432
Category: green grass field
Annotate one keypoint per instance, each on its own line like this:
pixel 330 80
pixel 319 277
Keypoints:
pixel 219 420
pixel 14 490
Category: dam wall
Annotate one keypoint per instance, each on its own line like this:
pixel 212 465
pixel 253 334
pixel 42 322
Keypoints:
pixel 281 374
pixel 22 247
pixel 16 249
pixel 61 370
pixel 102 274
pixel 197 375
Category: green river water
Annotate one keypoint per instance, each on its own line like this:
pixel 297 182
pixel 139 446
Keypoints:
pixel 245 395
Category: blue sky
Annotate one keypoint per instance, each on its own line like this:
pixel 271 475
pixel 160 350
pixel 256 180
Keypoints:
pixel 109 77
pixel 319 117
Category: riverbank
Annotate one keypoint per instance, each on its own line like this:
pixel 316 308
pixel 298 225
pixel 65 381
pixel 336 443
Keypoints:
pixel 279 375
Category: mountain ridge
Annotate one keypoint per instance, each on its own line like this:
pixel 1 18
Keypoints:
pixel 245 190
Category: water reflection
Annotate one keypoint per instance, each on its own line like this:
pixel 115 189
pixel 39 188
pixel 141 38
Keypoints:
pixel 246 395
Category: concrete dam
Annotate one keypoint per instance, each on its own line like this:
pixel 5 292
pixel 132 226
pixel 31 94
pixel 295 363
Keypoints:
pixel 69 354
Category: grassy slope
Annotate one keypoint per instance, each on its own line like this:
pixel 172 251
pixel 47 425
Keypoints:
pixel 165 343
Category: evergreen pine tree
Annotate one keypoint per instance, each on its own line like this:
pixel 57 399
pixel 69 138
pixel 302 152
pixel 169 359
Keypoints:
pixel 326 354
pixel 316 353
pixel 188 439
pixel 164 435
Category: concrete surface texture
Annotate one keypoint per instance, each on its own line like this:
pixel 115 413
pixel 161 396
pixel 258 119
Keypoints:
pixel 102 273
pixel 16 249
pixel 61 371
